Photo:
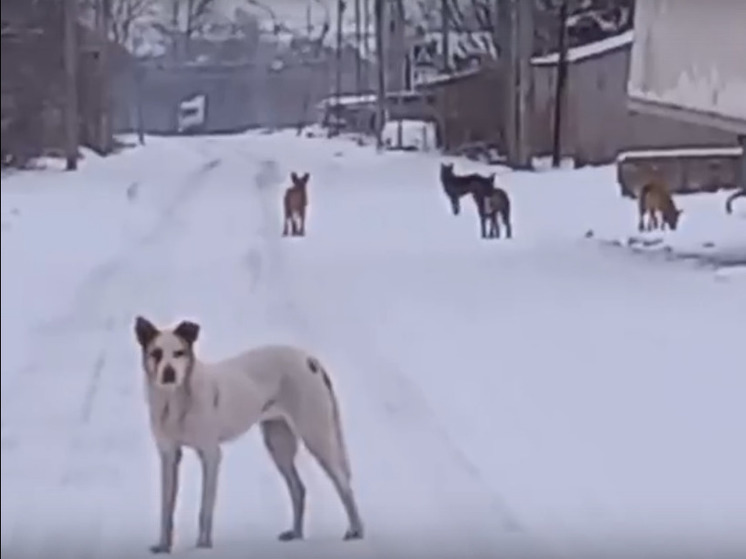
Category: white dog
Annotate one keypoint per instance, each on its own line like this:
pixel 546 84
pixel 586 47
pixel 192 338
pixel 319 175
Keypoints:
pixel 200 405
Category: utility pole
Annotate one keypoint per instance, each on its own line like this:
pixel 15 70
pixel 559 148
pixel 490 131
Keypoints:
pixel 525 48
pixel 70 52
pixel 380 12
pixel 516 32
pixel 445 65
pixel 176 39
pixel 358 45
pixel 445 30
pixel 338 75
pixel 742 142
pixel 401 67
pixel 140 78
pixel 104 77
pixel 505 37
pixel 366 42
pixel 559 94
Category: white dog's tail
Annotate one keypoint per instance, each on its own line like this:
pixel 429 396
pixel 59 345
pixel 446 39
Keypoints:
pixel 344 459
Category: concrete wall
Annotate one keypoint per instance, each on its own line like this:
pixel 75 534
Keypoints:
pixel 684 171
pixel 239 95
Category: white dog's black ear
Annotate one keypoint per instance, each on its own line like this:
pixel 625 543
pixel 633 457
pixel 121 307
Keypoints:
pixel 145 331
pixel 187 331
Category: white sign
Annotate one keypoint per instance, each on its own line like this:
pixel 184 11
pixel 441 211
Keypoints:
pixel 191 113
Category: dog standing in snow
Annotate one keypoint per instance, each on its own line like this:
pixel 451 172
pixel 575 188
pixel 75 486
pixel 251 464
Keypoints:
pixel 199 405
pixel 496 206
pixel 294 204
pixel 655 199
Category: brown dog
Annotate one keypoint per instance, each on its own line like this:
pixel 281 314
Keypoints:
pixel 295 204
pixel 496 206
pixel 656 199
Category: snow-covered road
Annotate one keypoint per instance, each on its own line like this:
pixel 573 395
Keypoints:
pixel 545 397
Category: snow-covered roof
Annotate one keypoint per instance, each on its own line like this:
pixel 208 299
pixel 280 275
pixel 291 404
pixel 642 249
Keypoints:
pixel 364 99
pixel 347 100
pixel 440 79
pixel 589 50
pixel 681 152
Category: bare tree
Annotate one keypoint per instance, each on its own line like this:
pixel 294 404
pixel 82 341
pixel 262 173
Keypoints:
pixel 317 42
pixel 185 19
pixel 197 12
pixel 475 21
pixel 124 16
pixel 312 38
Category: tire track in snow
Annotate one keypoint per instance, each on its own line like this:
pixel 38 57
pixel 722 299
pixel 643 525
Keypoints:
pixel 105 272
pixel 76 326
pixel 86 298
pixel 281 305
pixel 410 419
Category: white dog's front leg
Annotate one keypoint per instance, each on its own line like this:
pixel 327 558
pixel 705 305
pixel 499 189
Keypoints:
pixel 210 460
pixel 170 460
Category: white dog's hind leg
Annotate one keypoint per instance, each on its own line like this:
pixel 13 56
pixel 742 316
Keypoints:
pixel 331 460
pixel 282 445
pixel 170 459
pixel 210 460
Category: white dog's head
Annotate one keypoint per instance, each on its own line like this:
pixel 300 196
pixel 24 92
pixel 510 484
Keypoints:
pixel 167 355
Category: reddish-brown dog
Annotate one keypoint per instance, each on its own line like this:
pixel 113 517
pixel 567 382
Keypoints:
pixel 295 204
pixel 656 199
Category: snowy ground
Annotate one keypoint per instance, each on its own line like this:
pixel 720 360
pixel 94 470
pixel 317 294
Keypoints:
pixel 550 396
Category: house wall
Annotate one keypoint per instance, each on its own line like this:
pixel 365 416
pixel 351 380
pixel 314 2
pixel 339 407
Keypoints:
pixel 688 61
pixel 597 122
pixel 467 109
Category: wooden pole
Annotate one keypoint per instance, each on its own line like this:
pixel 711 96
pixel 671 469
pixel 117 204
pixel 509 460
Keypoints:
pixel 559 94
pixel 140 79
pixel 358 47
pixel 401 56
pixel 381 72
pixel 338 73
pixel 445 67
pixel 506 34
pixel 524 47
pixel 742 141
pixel 70 53
pixel 445 30
pixel 105 132
pixel 366 44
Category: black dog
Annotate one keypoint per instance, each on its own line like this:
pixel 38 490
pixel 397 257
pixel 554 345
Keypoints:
pixel 490 201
